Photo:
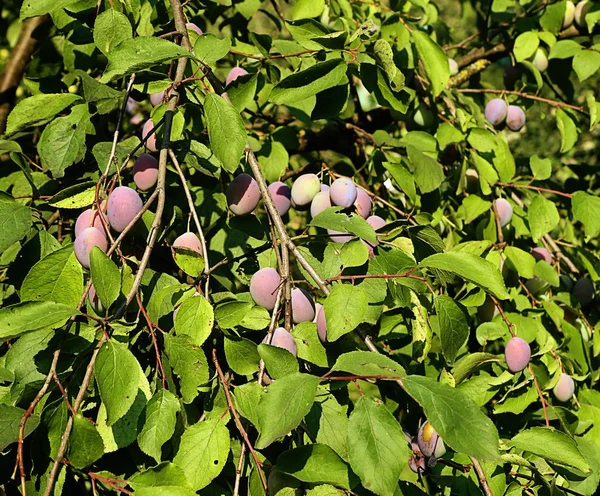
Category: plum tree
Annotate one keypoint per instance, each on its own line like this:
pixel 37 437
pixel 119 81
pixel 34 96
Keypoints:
pixel 515 118
pixel 517 354
pixel 145 171
pixel 540 60
pixel 565 388
pixel 303 306
pixel 430 443
pixel 281 195
pixel 85 220
pixel 495 111
pixel 542 253
pixel 123 205
pixel 504 211
pixel 87 239
pixel 583 291
pixel 320 202
pixel 343 192
pixel 363 203
pixel 243 194
pixel 235 73
pixel 304 189
pixel 283 339
pixel 189 241
pixel 569 14
pixel 151 141
pixel 263 287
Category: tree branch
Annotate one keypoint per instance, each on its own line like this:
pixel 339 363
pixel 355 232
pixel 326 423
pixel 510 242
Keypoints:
pixel 482 478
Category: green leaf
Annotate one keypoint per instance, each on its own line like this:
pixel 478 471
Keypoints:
pixel 242 91
pixel 57 277
pixel 434 59
pixel 116 373
pixel 166 479
pixel 345 308
pixel 524 262
pixel 203 452
pixel 37 109
pixel 85 444
pixel 541 167
pixel 447 134
pixel 377 447
pixel 225 130
pixel 279 411
pixel 195 319
pixel 10 417
pixel 554 446
pixel 159 423
pixel 428 172
pixel 332 218
pixel 453 326
pixel 543 217
pixel 564 49
pixel 209 48
pixel 230 314
pixel 62 142
pixel 273 159
pixel 316 464
pixel 279 362
pixel 15 222
pixel 456 418
pixel 140 53
pixel 368 363
pixel 404 179
pixel 110 29
pixel 385 57
pixel 31 316
pixel 189 364
pixel 32 8
pixel 586 63
pixel 105 276
pixel 77 196
pixel 525 45
pixel 471 268
pixel 242 355
pixel 302 85
pixel 305 9
pixel 190 261
pixel 567 129
pixel 585 209
pixel 308 344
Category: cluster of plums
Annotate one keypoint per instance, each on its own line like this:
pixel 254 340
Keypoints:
pixel 427 447
pixel 498 111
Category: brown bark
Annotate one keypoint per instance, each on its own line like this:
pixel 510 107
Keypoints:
pixel 13 71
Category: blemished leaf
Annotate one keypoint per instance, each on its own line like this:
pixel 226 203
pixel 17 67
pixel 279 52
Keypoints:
pixel 62 142
pixel 37 109
pixel 434 59
pixel 377 448
pixel 225 130
pixel 586 209
pixel 57 277
pixel 195 318
pixel 110 29
pixel 203 452
pixel 543 217
pixel 345 309
pixel 554 446
pixel 242 355
pixel 116 373
pixel 10 417
pixel 85 444
pixel 189 364
pixel 140 53
pixel 368 363
pixel 32 8
pixel 301 85
pixel 453 326
pixel 316 464
pixel 278 412
pixel 455 417
pixel 166 478
pixel 33 315
pixel 105 276
pixel 159 423
pixel 471 268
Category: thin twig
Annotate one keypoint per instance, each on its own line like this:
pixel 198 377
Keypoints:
pixel 238 471
pixel 269 337
pixel 482 478
pixel 535 188
pixel 541 395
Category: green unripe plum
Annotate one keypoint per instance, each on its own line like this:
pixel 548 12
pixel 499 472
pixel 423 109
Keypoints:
pixel 565 388
pixel 87 239
pixel 243 194
pixel 495 111
pixel 453 67
pixel 535 285
pixel 504 211
pixel 583 291
pixel 304 189
pixel 263 287
pixel 517 354
pixel 540 60
pixel 123 205
pixel 581 10
pixel 471 180
pixel 319 203
pixel 145 171
pixel 515 118
pixel 488 310
pixel 430 443
pixel 423 116
pixel 188 241
pixel 569 14
pixel 303 306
